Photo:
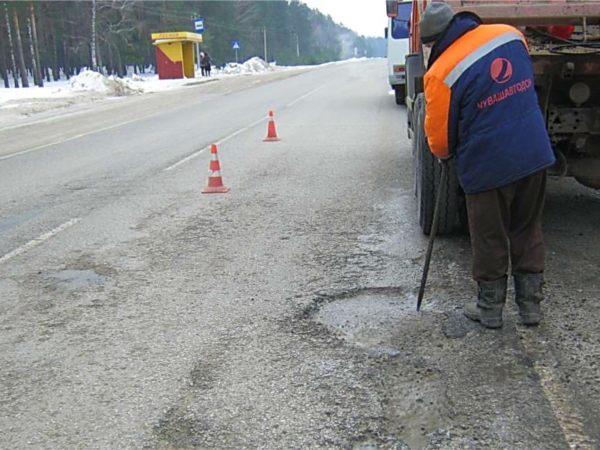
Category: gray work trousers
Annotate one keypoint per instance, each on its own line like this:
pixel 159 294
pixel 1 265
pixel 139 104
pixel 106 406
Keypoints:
pixel 506 223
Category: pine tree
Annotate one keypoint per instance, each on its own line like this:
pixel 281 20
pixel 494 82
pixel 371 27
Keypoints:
pixel 11 47
pixel 62 37
pixel 35 48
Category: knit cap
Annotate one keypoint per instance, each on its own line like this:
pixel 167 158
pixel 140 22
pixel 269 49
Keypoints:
pixel 434 21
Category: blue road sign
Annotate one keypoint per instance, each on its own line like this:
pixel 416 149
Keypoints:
pixel 199 25
pixel 236 45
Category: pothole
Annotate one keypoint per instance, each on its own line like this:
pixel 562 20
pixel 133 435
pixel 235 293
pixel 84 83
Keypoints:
pixel 386 325
pixel 367 318
pixel 365 445
pixel 76 279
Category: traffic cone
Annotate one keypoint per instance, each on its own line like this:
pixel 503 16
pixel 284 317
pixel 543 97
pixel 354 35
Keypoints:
pixel 271 132
pixel 215 182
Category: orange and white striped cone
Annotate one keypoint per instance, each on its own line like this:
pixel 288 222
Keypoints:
pixel 215 182
pixel 271 131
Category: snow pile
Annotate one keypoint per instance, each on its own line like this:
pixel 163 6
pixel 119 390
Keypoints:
pixel 121 86
pixel 89 80
pixel 256 65
pixel 253 65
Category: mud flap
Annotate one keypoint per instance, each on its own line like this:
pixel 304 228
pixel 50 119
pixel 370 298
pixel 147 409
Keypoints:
pixel 400 93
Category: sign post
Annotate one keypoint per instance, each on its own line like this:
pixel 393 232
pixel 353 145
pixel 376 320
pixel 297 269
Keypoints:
pixel 236 46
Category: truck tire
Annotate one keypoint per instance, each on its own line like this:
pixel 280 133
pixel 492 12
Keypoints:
pixel 427 179
pixel 400 93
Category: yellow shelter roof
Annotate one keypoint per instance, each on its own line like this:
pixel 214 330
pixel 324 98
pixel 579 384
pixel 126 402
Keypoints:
pixel 173 36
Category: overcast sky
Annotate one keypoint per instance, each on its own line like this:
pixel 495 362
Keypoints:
pixel 366 17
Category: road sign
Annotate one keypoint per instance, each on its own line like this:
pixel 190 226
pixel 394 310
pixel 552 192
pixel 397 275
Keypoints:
pixel 236 46
pixel 199 25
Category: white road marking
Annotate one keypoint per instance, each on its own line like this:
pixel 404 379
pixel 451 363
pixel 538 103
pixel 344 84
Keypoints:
pixel 49 119
pixel 193 155
pixel 565 410
pixel 39 147
pixel 37 241
pixel 199 152
pixel 306 95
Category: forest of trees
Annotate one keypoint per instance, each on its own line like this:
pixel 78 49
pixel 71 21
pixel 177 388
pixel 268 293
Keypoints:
pixel 44 40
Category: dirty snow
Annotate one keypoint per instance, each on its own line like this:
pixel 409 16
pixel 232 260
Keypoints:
pixel 253 65
pixel 94 81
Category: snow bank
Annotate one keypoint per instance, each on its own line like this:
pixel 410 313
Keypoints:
pixel 253 65
pixel 89 80
pixel 24 95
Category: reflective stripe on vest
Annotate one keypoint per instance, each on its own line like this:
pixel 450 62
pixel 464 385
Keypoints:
pixel 476 55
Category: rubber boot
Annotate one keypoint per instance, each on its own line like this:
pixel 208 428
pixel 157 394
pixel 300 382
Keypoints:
pixel 490 301
pixel 528 295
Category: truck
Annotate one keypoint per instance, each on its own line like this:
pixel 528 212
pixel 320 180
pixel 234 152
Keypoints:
pixel 564 43
pixel 397 35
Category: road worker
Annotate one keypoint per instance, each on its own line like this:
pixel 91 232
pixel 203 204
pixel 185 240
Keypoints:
pixel 482 110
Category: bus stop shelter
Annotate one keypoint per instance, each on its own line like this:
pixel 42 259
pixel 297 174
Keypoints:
pixel 175 54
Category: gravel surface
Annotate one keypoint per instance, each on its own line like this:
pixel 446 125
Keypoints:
pixel 281 315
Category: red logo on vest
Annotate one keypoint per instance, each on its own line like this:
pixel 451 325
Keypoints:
pixel 501 70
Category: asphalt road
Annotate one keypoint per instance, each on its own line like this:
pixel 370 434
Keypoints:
pixel 137 313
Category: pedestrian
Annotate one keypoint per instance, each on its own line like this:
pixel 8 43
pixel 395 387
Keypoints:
pixel 207 64
pixel 202 71
pixel 482 110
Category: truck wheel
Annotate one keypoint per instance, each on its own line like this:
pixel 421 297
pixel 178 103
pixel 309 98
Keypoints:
pixel 400 92
pixel 427 174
